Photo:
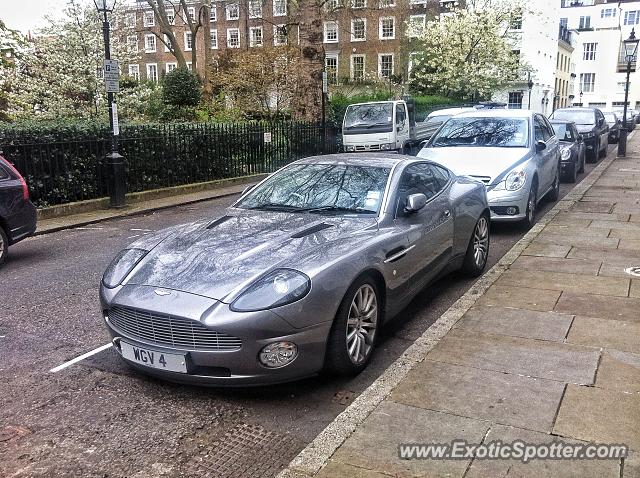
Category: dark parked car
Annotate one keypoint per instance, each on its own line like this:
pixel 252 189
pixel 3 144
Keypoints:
pixel 572 150
pixel 614 120
pixel 17 214
pixel 631 119
pixel 591 125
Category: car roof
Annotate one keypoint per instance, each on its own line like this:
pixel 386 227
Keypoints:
pixel 490 113
pixel 557 121
pixel 383 160
pixel 577 108
pixel 450 111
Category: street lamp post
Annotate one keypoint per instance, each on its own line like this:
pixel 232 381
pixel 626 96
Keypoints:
pixel 630 51
pixel 114 161
pixel 530 85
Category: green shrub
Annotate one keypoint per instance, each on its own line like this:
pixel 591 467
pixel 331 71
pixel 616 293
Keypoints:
pixel 181 88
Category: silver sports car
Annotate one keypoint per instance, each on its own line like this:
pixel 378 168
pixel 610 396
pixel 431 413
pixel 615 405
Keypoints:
pixel 300 273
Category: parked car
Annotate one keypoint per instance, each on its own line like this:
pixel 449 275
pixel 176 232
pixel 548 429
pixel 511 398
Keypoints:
pixel 572 150
pixel 615 125
pixel 631 119
pixel 17 213
pixel 591 125
pixel 298 275
pixel 437 118
pixel 514 152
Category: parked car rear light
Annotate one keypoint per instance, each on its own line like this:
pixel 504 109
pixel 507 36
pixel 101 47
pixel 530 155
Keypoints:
pixel 25 188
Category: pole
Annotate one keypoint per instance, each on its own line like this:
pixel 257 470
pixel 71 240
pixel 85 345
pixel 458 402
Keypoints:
pixel 114 161
pixel 622 144
pixel 530 88
pixel 324 115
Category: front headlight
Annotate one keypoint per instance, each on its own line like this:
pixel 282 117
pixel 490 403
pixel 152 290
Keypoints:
pixel 121 265
pixel 278 288
pixel 515 180
pixel 566 154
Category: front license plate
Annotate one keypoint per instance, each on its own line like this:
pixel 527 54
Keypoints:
pixel 153 358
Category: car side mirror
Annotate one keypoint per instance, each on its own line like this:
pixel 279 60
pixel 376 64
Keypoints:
pixel 247 189
pixel 541 146
pixel 423 144
pixel 415 202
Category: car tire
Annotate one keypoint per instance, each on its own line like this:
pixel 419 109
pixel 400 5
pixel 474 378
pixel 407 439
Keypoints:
pixel 345 355
pixel 603 153
pixel 532 205
pixel 554 194
pixel 593 156
pixel 4 245
pixel 582 161
pixel 475 260
pixel 572 175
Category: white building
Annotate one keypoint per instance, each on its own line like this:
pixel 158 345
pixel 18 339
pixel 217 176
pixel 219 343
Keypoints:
pixel 598 56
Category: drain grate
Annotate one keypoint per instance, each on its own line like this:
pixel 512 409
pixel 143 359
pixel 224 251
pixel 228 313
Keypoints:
pixel 246 451
pixel 633 271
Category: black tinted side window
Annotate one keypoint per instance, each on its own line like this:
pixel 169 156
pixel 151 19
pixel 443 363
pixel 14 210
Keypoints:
pixel 419 179
pixel 539 129
pixel 548 127
pixel 3 173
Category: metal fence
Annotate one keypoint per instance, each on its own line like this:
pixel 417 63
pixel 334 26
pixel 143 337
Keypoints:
pixel 159 156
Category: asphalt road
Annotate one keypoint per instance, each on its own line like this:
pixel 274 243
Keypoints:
pixel 99 418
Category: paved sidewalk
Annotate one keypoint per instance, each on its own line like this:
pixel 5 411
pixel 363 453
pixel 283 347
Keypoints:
pixel 545 347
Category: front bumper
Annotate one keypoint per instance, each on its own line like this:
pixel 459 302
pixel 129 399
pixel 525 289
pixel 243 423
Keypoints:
pixel 501 201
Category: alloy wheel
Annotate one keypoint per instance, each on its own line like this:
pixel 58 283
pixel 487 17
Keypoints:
pixel 531 206
pixel 481 242
pixel 362 324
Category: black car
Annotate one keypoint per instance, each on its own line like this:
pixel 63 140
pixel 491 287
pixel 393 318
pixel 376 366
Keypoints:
pixel 17 213
pixel 591 125
pixel 614 120
pixel 572 150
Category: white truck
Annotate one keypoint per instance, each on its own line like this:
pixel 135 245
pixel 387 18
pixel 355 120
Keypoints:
pixel 383 126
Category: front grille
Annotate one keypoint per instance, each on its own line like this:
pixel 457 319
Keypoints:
pixel 168 330
pixel 372 147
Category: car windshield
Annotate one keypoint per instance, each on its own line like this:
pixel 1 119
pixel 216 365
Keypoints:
pixel 577 116
pixel 563 132
pixel 368 115
pixel 484 132
pixel 321 188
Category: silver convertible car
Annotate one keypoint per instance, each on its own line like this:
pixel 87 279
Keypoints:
pixel 299 274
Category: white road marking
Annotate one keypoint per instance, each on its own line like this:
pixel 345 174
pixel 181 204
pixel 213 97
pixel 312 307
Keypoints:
pixel 81 357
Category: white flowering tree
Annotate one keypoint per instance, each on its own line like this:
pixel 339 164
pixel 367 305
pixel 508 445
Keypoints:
pixel 468 53
pixel 12 47
pixel 60 75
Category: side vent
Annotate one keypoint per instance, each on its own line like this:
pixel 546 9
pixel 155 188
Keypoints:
pixel 312 230
pixel 217 222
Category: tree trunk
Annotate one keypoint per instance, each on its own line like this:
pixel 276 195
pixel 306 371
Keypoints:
pixel 307 103
pixel 160 12
pixel 207 87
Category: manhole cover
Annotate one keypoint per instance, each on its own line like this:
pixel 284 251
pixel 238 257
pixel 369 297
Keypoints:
pixel 633 271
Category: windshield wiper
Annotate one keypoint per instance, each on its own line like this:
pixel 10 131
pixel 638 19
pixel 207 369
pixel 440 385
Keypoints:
pixel 272 206
pixel 377 124
pixel 339 209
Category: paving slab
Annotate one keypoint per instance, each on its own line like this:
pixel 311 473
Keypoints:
pixel 561 281
pixel 593 216
pixel 515 355
pixel 617 269
pixel 483 394
pixel 570 220
pixel 619 371
pixel 335 469
pixel 631 465
pixel 615 334
pixel 599 415
pixel 572 231
pixel 622 233
pixel 520 298
pixel 593 206
pixel 516 323
pixel 374 445
pixel 614 256
pixel 634 291
pixel 601 306
pixel 557 264
pixel 546 250
pixel 538 468
pixel 630 244
pixel 593 243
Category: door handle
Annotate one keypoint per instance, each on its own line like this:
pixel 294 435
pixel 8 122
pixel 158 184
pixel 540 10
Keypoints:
pixel 397 254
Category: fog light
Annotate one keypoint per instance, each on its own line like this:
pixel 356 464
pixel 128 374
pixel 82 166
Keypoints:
pixel 278 354
pixel 511 211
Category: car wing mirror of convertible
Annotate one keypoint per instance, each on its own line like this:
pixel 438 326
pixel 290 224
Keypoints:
pixel 415 202
pixel 541 146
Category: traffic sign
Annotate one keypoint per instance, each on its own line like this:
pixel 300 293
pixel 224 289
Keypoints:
pixel 111 76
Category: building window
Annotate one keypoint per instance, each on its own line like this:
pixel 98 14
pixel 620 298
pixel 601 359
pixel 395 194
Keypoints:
pixel 387 3
pixel 189 66
pixel 255 36
pixel 608 13
pixel 279 8
pixel 171 66
pixel 255 8
pixel 188 41
pixel 331 66
pixel 148 19
pixel 564 22
pixel 516 21
pixel 418 2
pixel 358 4
pixel 585 23
pixel 279 35
pixel 130 21
pixel 387 28
pixel 631 17
pixel 171 16
pixel 331 5
pixel 416 25
pixel 385 65
pixel 357 67
pixel 191 12
pixel 233 37
pixel 214 39
pixel 587 82
pixel 132 43
pixel 134 72
pixel 150 43
pixel 152 71
pixel 213 12
pixel 358 29
pixel 233 11
pixel 515 100
pixel 589 52
pixel 331 32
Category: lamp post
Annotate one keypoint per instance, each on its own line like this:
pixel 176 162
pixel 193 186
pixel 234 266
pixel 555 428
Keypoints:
pixel 630 51
pixel 581 93
pixel 530 85
pixel 114 161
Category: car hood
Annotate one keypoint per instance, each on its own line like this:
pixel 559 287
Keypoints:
pixel 585 128
pixel 488 163
pixel 216 258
